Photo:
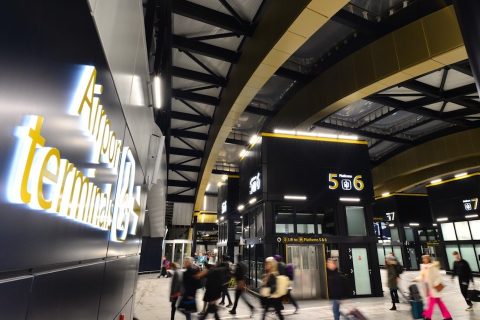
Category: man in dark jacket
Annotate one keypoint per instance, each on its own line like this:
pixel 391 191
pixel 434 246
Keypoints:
pixel 461 268
pixel 190 285
pixel 213 289
pixel 225 268
pixel 335 287
pixel 241 278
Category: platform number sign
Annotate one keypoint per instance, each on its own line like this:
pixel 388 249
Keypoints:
pixel 345 181
pixel 390 216
pixel 470 204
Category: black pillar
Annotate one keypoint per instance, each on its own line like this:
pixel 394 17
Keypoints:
pixel 468 15
pixel 194 236
pixel 231 237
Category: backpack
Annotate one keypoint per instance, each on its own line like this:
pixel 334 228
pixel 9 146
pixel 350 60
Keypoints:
pixel 399 269
pixel 290 271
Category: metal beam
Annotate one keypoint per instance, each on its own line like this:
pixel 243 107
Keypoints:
pixel 364 133
pixel 204 49
pixel 258 111
pixel 189 134
pixel 180 198
pixel 210 16
pixel 181 183
pixel 356 22
pixel 196 97
pixel 184 167
pixel 198 76
pixel 186 152
pixel 290 74
pixel 224 172
pixel 237 142
pixel 191 117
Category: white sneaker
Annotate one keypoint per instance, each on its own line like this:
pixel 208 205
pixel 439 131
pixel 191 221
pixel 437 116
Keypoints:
pixel 470 308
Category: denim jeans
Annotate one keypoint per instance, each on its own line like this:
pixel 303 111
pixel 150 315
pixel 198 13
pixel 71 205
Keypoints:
pixel 336 309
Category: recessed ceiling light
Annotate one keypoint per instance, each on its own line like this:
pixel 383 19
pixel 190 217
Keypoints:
pixel 436 181
pixel 348 199
pixel 292 197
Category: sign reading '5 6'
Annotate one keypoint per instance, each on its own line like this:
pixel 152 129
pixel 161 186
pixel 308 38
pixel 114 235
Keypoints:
pixel 345 181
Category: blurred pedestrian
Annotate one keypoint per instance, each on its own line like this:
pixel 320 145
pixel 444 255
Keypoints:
pixel 187 304
pixel 430 275
pixel 240 275
pixel 287 270
pixel 224 265
pixel 393 275
pixel 336 287
pixel 175 288
pixel 213 289
pixel 273 288
pixel 164 266
pixel 462 269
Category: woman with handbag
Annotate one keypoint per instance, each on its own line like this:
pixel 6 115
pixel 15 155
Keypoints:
pixel 273 288
pixel 430 275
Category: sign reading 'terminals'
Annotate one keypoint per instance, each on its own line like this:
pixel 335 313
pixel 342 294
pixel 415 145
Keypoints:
pixel 44 180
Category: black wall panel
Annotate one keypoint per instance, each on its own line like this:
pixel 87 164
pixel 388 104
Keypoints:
pixel 14 297
pixel 72 294
pixel 150 257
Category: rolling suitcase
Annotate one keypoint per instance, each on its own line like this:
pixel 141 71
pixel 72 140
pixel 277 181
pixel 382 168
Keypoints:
pixel 417 309
pixel 414 292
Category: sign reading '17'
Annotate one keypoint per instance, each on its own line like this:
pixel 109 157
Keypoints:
pixel 345 181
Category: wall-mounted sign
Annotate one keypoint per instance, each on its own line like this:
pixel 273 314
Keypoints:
pixel 470 204
pixel 255 183
pixel 224 206
pixel 45 181
pixel 345 181
pixel 390 216
pixel 306 239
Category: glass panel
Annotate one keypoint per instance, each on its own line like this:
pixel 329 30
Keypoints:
pixel 477 249
pixel 169 251
pixel 178 253
pixel 450 249
pixel 409 235
pixel 305 223
pixel 381 256
pixel 413 258
pixel 468 254
pixel 188 250
pixel 475 227
pixel 251 223
pixel 431 234
pixel 259 223
pixel 356 221
pixel 361 271
pixel 397 251
pixel 394 234
pixel 448 232
pixel 463 232
pixel 284 223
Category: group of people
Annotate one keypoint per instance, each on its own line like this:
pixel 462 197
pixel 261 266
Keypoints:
pixel 431 281
pixel 276 285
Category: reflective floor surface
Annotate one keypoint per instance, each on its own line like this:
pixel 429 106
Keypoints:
pixel 152 303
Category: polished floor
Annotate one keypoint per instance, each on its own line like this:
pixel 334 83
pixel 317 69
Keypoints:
pixel 151 303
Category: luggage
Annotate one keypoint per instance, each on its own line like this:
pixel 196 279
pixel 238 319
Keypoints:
pixel 474 295
pixel 417 309
pixel 414 293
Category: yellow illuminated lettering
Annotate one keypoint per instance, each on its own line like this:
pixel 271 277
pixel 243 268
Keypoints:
pixel 46 167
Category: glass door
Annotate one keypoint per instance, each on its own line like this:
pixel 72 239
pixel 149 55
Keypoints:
pixel 413 259
pixel 361 271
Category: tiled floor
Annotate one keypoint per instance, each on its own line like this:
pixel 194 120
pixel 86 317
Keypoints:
pixel 151 303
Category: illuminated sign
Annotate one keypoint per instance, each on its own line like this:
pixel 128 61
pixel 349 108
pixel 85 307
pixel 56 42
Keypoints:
pixel 255 183
pixel 470 204
pixel 307 239
pixel 43 180
pixel 390 216
pixel 224 206
pixel 345 181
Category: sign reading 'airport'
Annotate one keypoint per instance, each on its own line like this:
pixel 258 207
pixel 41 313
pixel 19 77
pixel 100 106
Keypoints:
pixel 255 183
pixel 45 181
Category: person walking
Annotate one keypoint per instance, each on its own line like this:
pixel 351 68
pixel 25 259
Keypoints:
pixel 393 275
pixel 271 290
pixel 461 268
pixel 283 270
pixel 335 287
pixel 240 275
pixel 213 289
pixel 431 277
pixel 225 268
pixel 165 266
pixel 190 283
pixel 175 288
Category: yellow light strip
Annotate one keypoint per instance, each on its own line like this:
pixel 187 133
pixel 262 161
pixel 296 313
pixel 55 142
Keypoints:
pixel 453 179
pixel 299 137
pixel 402 194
